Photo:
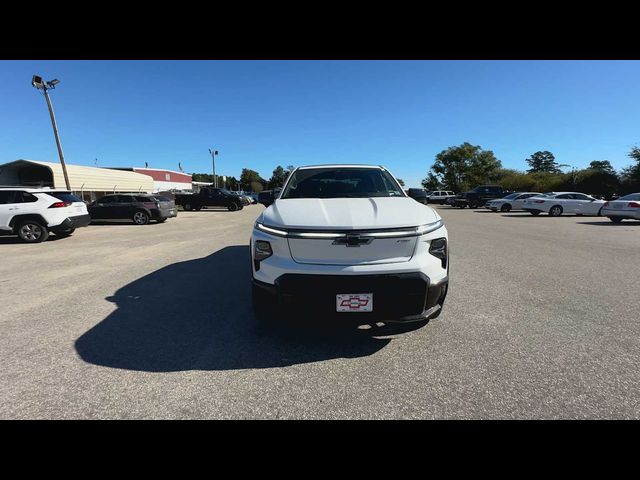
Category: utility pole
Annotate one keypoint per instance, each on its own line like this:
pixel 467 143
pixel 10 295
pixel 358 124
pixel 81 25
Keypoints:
pixel 213 158
pixel 38 83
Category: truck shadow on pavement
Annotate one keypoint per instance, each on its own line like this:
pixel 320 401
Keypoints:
pixel 197 315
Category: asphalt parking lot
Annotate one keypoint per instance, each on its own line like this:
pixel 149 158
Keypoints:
pixel 121 321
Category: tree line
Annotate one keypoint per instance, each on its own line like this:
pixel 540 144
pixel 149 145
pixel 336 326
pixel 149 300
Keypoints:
pixel 460 168
pixel 250 180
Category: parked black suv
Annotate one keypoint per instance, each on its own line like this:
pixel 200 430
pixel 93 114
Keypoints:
pixel 139 208
pixel 479 196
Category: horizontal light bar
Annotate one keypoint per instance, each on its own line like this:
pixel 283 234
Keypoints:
pixel 413 232
pixel 273 231
pixel 429 227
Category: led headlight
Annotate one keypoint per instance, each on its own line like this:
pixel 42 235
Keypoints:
pixel 438 248
pixel 261 250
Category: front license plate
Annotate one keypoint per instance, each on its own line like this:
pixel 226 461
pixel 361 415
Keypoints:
pixel 354 302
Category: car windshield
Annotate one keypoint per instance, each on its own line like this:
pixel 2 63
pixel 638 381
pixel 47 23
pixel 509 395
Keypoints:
pixel 632 196
pixel 341 183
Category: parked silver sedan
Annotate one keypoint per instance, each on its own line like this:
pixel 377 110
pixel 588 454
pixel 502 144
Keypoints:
pixel 624 207
pixel 513 201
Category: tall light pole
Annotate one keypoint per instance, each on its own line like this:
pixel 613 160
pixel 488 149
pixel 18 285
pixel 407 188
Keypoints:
pixel 38 83
pixel 213 157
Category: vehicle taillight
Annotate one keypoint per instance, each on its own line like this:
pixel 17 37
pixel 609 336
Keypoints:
pixel 60 204
pixel 606 204
pixel 538 201
pixel 633 205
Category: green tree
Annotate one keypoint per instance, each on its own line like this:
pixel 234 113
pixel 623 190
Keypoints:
pixel 630 176
pixel 543 162
pixel 278 177
pixel 400 181
pixel 464 166
pixel 431 182
pixel 201 177
pixel 250 179
pixel 602 166
pixel 596 182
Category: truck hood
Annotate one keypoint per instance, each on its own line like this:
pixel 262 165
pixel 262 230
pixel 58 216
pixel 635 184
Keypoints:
pixel 348 213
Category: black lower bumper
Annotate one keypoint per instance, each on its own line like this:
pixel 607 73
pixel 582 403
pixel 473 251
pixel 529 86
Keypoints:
pixel 403 297
pixel 73 222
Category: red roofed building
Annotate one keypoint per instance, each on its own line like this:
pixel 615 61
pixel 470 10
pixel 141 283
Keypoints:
pixel 163 180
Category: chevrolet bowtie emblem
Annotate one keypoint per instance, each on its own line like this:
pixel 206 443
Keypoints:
pixel 353 240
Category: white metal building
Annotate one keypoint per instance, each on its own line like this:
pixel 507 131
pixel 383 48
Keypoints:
pixel 88 183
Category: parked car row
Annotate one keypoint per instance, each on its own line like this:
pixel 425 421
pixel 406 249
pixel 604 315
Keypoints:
pixel 495 198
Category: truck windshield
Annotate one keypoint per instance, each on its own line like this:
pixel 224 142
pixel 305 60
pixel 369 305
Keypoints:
pixel 341 183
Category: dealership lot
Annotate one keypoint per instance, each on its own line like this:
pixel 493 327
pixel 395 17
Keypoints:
pixel 155 321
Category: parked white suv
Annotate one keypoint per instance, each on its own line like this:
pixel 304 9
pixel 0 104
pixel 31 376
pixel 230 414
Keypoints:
pixel 346 241
pixel 32 213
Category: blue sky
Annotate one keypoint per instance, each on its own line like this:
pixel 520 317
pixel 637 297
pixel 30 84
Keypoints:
pixel 259 114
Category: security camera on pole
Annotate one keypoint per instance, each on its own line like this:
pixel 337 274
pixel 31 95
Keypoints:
pixel 40 84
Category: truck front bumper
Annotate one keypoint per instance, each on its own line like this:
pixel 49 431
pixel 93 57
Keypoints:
pixel 397 297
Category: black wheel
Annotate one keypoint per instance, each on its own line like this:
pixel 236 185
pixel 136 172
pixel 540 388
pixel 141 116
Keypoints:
pixel 161 220
pixel 232 207
pixel 535 214
pixel 188 207
pixel 461 206
pixel 264 307
pixel 198 208
pixel 65 233
pixel 615 219
pixel 140 218
pixel 555 211
pixel 32 231
pixel 505 208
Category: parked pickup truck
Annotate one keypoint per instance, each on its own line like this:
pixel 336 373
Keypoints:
pixel 209 197
pixel 479 196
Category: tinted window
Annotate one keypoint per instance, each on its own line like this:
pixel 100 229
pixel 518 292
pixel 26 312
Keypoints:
pixel 6 197
pixel 125 199
pixel 144 199
pixel 109 199
pixel 25 197
pixel 514 195
pixel 565 196
pixel 633 196
pixel 580 196
pixel 341 183
pixel 65 197
pixel 13 196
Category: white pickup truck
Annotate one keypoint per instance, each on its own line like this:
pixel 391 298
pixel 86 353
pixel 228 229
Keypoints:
pixel 346 241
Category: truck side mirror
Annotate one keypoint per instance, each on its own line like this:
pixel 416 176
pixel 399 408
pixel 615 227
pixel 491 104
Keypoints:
pixel 418 195
pixel 266 198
